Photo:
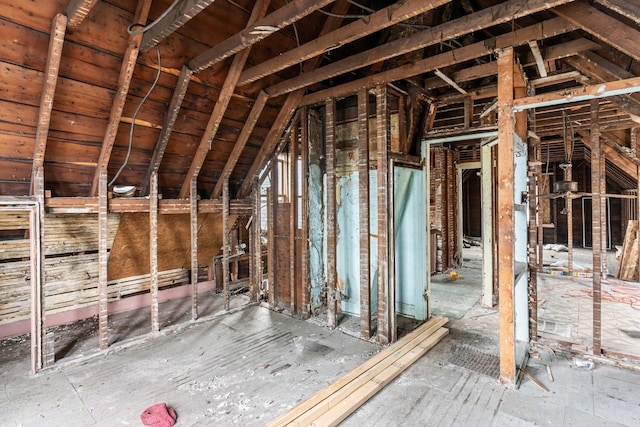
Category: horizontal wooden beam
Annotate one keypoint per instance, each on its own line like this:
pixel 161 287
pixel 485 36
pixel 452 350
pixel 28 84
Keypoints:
pixel 600 90
pixel 602 26
pixel 626 8
pixel 281 18
pixel 378 20
pixel 72 205
pixel 504 12
pixel 176 18
pixel 518 37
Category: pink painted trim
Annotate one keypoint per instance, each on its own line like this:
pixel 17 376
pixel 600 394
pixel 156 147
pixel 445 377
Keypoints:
pixel 125 304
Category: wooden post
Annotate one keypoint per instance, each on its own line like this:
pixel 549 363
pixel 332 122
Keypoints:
pixel 330 133
pixel 256 245
pixel 272 206
pixel 153 252
pixel 304 153
pixel 603 214
pixel 293 214
pixel 505 215
pixel 391 251
pixel 385 310
pixel 597 225
pixel 226 244
pixel 635 144
pixel 103 257
pixel 533 228
pixel 364 221
pixel 36 228
pixel 487 224
pixel 194 247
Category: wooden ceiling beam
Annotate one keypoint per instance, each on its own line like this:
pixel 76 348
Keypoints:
pixel 378 20
pixel 76 12
pixel 602 26
pixel 626 8
pixel 219 110
pixel 504 12
pixel 176 18
pixel 126 73
pixel 560 51
pixel 518 37
pixel 625 162
pixel 281 18
pixel 52 68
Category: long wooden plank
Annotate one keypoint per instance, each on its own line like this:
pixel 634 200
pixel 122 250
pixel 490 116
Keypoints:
pixel 124 80
pixel 626 8
pixel 173 20
pixel 226 245
pixel 376 21
pixel 348 404
pixel 293 217
pixel 282 17
pixel 103 257
pixel 518 37
pixel 364 213
pixel 407 342
pixel 602 26
pixel 596 230
pixel 503 12
pixel 505 241
pixel 194 248
pixel 330 208
pixel 219 110
pixel 52 68
pixel 304 153
pixel 153 253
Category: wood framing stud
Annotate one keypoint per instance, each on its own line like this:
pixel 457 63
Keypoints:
pixel 103 258
pixel 330 158
pixel 194 247
pixel 293 216
pixel 272 210
pixel 175 19
pixel 596 236
pixel 505 242
pixel 226 245
pixel 153 252
pixel 52 68
pixel 126 73
pixel 304 154
pixel 256 249
pixel 282 17
pixel 364 214
pixel 77 11
pixel 38 313
pixel 385 311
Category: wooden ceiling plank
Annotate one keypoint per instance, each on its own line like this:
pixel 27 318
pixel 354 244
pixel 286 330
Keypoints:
pixel 560 51
pixel 602 26
pixel 504 12
pixel 245 133
pixel 261 29
pixel 77 11
pixel 219 110
pixel 535 50
pixel 173 20
pixel 378 20
pixel 126 73
pixel 172 114
pixel 518 37
pixel 625 8
pixel 271 140
pixel 52 68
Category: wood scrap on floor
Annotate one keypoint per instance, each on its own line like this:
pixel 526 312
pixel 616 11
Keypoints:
pixel 331 405
pixel 628 263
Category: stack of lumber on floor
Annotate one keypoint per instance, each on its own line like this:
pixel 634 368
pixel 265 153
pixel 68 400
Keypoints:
pixel 331 405
pixel 628 262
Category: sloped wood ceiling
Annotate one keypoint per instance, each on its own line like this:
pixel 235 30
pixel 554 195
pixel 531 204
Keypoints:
pixel 232 73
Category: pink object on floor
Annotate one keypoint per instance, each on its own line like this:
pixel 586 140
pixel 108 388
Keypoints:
pixel 158 415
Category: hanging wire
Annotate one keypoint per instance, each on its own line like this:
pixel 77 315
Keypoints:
pixel 131 31
pixel 133 119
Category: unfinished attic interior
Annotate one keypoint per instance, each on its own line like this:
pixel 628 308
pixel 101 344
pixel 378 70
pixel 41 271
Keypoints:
pixel 355 171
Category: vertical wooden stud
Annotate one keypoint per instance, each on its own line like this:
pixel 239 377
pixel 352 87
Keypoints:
pixel 330 135
pixel 364 221
pixel 153 252
pixel 596 216
pixel 36 228
pixel 193 202
pixel 505 215
pixel 293 215
pixel 635 144
pixel 304 153
pixel 533 228
pixel 272 209
pixel 385 310
pixel 103 257
pixel 226 244
pixel 256 249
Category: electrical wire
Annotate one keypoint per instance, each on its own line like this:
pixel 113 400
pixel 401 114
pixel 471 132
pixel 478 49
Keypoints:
pixel 133 119
pixel 146 28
